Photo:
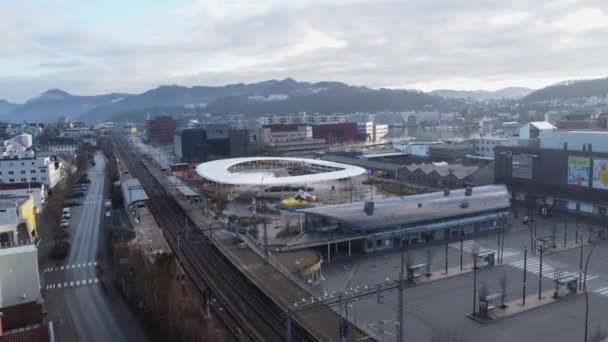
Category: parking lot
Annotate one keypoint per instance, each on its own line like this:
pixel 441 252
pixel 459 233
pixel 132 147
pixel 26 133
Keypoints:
pixel 440 307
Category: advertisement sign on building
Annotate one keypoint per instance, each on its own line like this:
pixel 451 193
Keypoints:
pixel 578 171
pixel 600 174
pixel 521 166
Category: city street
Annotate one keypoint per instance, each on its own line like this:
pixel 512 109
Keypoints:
pixel 79 296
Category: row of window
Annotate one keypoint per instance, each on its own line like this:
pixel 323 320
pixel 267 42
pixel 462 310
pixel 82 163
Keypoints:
pixel 24 172
pixel 22 163
pixel 23 180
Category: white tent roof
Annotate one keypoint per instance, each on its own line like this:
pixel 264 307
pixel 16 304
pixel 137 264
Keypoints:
pixel 217 171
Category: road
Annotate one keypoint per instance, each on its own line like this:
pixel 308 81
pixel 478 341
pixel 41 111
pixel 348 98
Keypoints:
pixel 83 308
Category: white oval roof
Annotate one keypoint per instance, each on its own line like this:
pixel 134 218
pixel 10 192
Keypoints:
pixel 217 171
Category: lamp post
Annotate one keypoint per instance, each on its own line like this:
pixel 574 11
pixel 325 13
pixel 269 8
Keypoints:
pixel 593 244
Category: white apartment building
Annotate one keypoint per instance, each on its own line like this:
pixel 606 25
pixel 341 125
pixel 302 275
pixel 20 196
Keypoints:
pixel 484 147
pixel 575 140
pixel 303 118
pixel 47 170
pixel 370 131
pixel 278 134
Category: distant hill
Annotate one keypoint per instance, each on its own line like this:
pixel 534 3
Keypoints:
pixel 6 107
pixel 481 95
pixel 55 103
pixel 569 90
pixel 268 97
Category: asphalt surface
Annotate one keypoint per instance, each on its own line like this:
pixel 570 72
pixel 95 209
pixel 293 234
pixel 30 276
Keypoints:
pixel 79 297
pixel 441 307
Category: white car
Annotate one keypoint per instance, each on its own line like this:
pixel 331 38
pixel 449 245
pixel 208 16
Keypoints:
pixel 65 223
pixel 66 215
pixel 66 210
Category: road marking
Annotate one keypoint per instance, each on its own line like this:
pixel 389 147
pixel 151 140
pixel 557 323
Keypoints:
pixel 533 265
pixel 603 291
pixel 66 284
pixel 469 246
pixel 68 267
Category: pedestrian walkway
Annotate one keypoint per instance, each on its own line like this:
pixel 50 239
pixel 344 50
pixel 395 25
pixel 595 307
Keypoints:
pixel 67 284
pixel 533 266
pixel 69 267
pixel 470 246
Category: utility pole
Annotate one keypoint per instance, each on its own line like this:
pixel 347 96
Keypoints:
pixel 446 233
pixel 474 284
pixel 266 256
pixel 288 325
pixel 541 247
pixel 580 268
pixel 461 247
pixel 565 231
pixel 525 275
pixel 400 318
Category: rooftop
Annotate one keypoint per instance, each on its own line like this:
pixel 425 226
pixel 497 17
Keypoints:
pixel 132 191
pixel 391 211
pixel 218 171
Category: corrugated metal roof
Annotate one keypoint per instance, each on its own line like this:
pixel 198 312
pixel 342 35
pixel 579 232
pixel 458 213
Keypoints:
pixel 132 191
pixel 181 187
pixel 391 211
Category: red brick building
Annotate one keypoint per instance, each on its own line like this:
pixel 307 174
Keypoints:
pixel 335 133
pixel 160 130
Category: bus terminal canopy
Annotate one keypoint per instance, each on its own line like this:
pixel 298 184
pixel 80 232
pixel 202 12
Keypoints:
pixel 262 171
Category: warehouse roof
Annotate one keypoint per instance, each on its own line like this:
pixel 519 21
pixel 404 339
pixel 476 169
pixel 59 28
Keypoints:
pixel 132 191
pixel 182 188
pixel 391 211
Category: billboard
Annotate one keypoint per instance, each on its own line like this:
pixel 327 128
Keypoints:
pixel 521 166
pixel 600 174
pixel 578 171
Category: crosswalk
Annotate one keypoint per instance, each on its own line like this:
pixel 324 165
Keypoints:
pixel 73 283
pixel 470 246
pixel 69 267
pixel 533 266
pixel 602 291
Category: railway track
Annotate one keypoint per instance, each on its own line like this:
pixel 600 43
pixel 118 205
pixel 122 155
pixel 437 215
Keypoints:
pixel 250 313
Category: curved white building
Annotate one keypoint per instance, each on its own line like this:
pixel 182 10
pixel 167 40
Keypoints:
pixel 280 176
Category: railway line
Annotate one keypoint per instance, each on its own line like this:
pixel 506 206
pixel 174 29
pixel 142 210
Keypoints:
pixel 250 314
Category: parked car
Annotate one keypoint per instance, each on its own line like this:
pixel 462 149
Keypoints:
pixel 66 216
pixel 66 210
pixel 76 195
pixel 65 223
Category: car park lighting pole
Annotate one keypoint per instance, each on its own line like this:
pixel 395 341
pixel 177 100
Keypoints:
pixel 474 283
pixel 525 275
pixel 593 244
pixel 541 247
pixel 461 247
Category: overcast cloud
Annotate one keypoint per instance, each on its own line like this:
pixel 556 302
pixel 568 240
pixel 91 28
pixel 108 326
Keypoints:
pixel 87 48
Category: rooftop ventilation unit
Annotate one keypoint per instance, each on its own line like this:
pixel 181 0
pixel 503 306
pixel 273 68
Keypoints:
pixel 446 192
pixel 464 205
pixel 468 191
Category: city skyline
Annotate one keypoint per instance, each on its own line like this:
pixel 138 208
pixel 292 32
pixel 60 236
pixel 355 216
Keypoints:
pixel 86 48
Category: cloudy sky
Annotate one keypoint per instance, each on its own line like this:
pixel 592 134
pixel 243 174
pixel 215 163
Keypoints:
pixel 90 47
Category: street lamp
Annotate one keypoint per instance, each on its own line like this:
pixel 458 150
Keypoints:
pixel 593 242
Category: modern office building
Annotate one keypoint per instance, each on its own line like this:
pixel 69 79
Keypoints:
pixel 371 131
pixel 160 130
pixel 23 168
pixel 195 145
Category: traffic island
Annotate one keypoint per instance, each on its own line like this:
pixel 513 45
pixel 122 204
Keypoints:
pixel 490 314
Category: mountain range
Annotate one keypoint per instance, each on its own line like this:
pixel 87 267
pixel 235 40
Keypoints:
pixel 481 95
pixel 274 97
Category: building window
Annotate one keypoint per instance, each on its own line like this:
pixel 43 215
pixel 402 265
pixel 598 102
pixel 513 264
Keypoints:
pixel 43 178
pixel 11 172
pixel 43 170
pixel 12 180
pixel 33 179
pixel 24 179
pixel 22 163
pixel 33 171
